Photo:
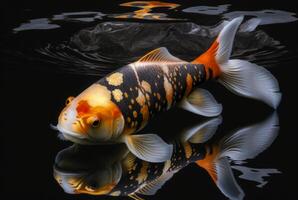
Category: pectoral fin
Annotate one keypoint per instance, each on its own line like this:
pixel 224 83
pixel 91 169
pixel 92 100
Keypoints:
pixel 201 102
pixel 149 147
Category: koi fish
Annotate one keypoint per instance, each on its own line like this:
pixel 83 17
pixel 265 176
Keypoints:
pixel 117 172
pixel 122 103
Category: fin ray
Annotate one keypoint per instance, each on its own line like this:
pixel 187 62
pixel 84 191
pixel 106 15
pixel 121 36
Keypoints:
pixel 152 187
pixel 201 102
pixel 250 80
pixel 159 55
pixel 149 147
pixel 202 132
pixel 242 77
pixel 219 169
pixel 250 141
pixel 239 76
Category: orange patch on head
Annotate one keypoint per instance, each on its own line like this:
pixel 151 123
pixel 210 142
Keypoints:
pixel 110 111
pixel 83 107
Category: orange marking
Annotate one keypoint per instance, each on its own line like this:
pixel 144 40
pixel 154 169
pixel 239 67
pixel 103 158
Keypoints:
pixel 188 84
pixel 141 98
pixel 158 96
pixel 145 114
pixel 100 191
pixel 169 92
pixel 135 114
pixel 85 111
pixel 208 163
pixel 208 60
pixel 83 107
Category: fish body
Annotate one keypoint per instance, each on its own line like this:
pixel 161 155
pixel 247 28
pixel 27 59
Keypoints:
pixel 116 171
pixel 122 103
pixel 141 90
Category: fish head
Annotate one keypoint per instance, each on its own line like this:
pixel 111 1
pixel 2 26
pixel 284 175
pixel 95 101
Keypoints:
pixel 89 169
pixel 91 117
pixel 100 182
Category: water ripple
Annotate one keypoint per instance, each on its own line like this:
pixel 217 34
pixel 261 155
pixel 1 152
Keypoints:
pixel 102 48
pixel 99 49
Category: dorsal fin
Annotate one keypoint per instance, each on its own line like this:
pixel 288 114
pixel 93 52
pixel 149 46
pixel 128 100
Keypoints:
pixel 159 55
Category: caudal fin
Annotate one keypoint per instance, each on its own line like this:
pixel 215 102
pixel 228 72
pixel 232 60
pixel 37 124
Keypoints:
pixel 243 144
pixel 219 169
pixel 239 76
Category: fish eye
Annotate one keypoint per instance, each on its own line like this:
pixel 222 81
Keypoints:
pixel 68 100
pixel 95 123
pixel 93 184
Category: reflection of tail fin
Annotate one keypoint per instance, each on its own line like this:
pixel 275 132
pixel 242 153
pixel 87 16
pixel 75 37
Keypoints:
pixel 250 141
pixel 239 76
pixel 218 167
pixel 240 145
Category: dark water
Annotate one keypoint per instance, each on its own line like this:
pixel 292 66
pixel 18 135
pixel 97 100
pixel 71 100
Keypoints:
pixel 52 50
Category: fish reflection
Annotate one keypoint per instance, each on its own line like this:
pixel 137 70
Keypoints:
pixel 145 10
pixel 114 171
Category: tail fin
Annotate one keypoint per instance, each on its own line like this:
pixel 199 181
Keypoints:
pixel 243 144
pixel 239 76
pixel 219 169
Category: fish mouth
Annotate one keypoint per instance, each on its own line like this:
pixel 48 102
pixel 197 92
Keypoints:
pixel 75 137
pixel 79 138
pixel 62 172
pixel 68 187
pixel 70 133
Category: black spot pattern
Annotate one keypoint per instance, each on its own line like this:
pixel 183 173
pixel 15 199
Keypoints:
pixel 176 75
pixel 130 87
pixel 198 152
pixel 129 184
pixel 156 98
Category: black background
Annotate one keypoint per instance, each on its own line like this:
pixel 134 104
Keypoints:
pixel 33 95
